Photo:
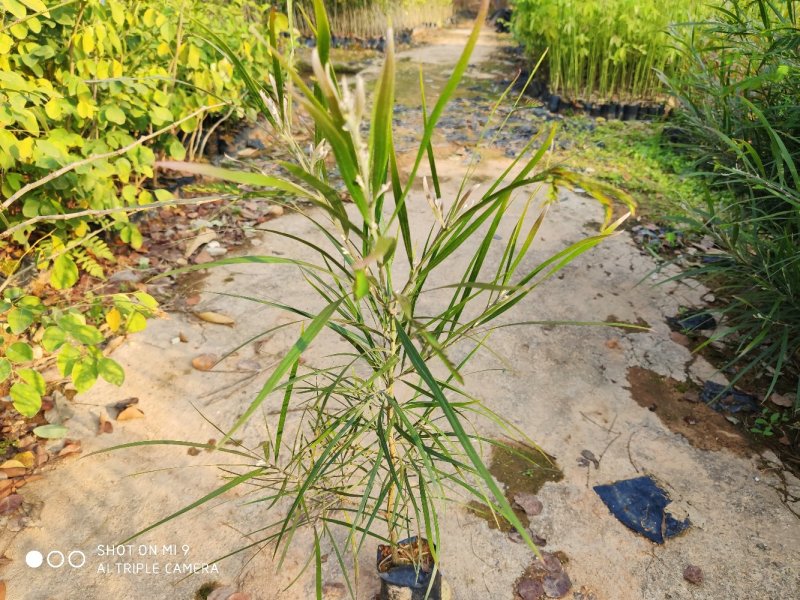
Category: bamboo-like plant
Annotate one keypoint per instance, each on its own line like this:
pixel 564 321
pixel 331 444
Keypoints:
pixel 383 433
pixel 739 118
pixel 365 19
pixel 604 50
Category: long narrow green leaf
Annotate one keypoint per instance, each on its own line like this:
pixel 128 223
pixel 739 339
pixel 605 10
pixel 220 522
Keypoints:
pixel 317 566
pixel 285 408
pixel 382 113
pixel 319 322
pixel 323 31
pixel 244 177
pixel 235 482
pixel 455 424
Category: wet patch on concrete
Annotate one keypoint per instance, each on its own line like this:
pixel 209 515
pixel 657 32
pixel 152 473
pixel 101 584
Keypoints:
pixel 522 470
pixel 678 406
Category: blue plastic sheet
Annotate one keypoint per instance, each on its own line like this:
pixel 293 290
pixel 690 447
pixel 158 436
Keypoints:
pixel 640 504
pixel 728 400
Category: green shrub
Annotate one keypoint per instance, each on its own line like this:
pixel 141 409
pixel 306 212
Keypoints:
pixel 73 337
pixel 739 94
pixel 739 120
pixel 82 84
pixel 373 441
pixel 602 50
pixel 88 78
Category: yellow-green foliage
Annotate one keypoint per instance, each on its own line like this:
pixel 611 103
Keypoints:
pixel 75 336
pixel 83 78
pixel 599 50
pixel 89 77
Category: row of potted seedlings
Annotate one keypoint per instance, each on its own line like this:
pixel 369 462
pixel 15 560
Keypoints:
pixel 642 111
pixel 608 109
pixel 401 37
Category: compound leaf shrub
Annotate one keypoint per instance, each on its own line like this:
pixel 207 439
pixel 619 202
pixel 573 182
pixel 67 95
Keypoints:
pixel 79 80
pixel 88 77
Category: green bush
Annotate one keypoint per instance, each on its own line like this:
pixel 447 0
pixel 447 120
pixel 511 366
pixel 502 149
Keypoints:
pixel 85 81
pixel 372 443
pixel 77 334
pixel 739 93
pixel 87 78
pixel 739 120
pixel 602 50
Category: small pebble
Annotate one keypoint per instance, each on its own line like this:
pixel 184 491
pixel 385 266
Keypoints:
pixel 529 589
pixel 529 503
pixel 693 574
pixel 204 362
pixel 557 585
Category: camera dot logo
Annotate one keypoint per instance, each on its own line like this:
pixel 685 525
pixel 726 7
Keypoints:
pixel 34 559
pixel 55 559
pixel 76 559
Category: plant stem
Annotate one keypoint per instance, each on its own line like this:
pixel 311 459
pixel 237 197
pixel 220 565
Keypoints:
pixel 390 496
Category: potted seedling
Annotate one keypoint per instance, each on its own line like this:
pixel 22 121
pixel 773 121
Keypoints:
pixel 381 431
pixel 630 112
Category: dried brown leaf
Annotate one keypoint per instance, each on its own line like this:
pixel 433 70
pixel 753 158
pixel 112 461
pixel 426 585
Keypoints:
pixel 70 447
pixel 26 458
pixel 105 425
pixel 201 238
pixel 123 404
pixel 130 413
pixel 12 464
pixel 782 400
pixel 215 317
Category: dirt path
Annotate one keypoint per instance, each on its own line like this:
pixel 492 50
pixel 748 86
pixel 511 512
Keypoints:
pixel 566 387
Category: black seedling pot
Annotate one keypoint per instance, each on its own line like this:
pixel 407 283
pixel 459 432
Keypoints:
pixel 554 103
pixel 630 112
pixel 594 109
pixel 603 111
pixel 404 582
pixel 614 110
pixel 536 89
pixel 692 321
